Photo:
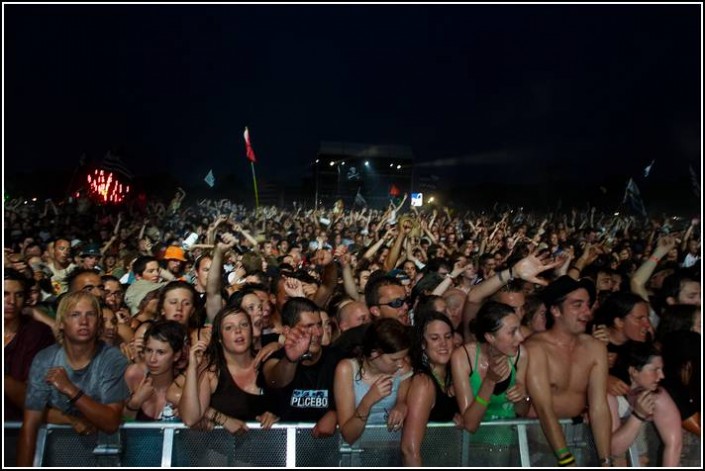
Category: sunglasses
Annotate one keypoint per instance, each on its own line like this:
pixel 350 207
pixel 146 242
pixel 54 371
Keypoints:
pixel 396 303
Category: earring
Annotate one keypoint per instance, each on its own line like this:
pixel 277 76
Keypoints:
pixel 424 358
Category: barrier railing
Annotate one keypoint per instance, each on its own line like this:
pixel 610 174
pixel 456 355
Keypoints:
pixel 507 443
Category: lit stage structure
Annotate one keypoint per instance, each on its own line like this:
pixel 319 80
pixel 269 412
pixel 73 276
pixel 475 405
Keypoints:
pixel 362 174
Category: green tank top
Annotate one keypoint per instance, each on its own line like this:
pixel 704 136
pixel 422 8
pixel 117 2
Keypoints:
pixel 499 406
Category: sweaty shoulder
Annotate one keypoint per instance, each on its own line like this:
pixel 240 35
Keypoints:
pixel 536 340
pixel 592 343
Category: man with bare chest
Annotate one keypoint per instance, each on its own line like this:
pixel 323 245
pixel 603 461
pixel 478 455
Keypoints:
pixel 568 370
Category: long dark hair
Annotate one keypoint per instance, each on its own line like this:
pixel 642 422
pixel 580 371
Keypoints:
pixel 214 352
pixel 418 362
pixel 489 319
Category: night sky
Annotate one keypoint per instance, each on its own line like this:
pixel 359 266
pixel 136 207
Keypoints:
pixel 508 92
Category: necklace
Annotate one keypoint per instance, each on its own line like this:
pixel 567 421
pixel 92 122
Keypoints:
pixel 441 382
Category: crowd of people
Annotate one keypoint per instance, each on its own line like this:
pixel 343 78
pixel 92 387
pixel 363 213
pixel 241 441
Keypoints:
pixel 217 315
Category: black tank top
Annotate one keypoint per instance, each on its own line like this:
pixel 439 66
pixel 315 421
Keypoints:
pixel 445 407
pixel 229 399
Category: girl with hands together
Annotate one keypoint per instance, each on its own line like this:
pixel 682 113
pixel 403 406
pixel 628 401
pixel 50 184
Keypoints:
pixel 150 381
pixel 645 401
pixel 371 389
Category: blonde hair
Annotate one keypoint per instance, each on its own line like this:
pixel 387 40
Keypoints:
pixel 67 304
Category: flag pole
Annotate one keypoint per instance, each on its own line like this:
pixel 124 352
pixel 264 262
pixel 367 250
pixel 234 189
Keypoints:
pixel 254 182
pixel 251 157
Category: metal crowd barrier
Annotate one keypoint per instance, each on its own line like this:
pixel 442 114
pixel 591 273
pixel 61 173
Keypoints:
pixel 507 443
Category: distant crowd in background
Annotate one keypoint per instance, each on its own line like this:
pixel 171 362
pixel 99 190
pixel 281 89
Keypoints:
pixel 214 314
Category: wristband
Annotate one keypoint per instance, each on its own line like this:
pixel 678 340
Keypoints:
pixel 654 259
pixel 567 460
pixel 360 416
pixel 511 274
pixel 607 461
pixel 481 401
pixel 561 452
pixel 76 397
pixel 501 278
pixel 636 414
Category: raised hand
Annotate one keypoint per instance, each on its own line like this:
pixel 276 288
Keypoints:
pixel 227 242
pixel 293 287
pixel 529 267
pixel 264 353
pixel 601 333
pixel 297 343
pixel 196 352
pixel 144 391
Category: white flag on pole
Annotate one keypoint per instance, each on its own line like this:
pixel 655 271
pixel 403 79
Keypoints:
pixel 647 170
pixel 210 179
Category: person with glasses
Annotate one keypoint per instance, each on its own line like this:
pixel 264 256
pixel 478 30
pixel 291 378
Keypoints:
pixel 114 297
pixel 386 297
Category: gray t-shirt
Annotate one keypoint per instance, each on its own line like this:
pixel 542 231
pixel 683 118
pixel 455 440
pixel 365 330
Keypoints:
pixel 103 380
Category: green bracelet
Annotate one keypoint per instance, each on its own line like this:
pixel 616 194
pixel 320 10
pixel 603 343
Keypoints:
pixel 562 452
pixel 481 401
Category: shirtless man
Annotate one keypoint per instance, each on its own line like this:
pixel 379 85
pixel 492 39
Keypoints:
pixel 568 369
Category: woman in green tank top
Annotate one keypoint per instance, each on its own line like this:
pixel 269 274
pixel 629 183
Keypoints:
pixel 489 375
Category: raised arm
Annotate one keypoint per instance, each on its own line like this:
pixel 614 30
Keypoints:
pixel 196 393
pixel 214 300
pixel 642 275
